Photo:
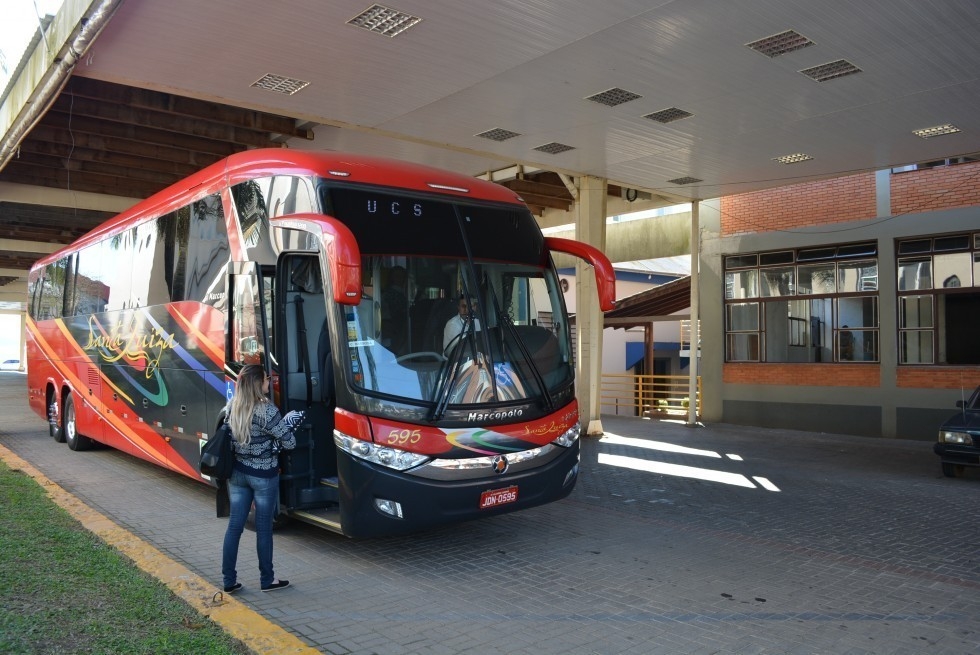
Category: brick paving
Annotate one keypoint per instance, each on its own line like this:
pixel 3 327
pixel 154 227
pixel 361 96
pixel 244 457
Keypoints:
pixel 718 539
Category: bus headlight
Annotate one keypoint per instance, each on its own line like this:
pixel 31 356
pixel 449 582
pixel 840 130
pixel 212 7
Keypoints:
pixel 569 437
pixel 393 458
pixel 961 438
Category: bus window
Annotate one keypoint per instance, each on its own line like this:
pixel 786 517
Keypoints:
pixel 207 249
pixel 117 268
pixel 149 282
pixel 247 331
pixel 251 204
pixel 91 291
pixel 52 295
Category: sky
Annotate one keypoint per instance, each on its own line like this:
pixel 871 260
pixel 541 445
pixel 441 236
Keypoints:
pixel 18 23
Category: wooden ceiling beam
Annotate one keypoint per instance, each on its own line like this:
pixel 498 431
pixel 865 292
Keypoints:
pixel 75 108
pixel 67 151
pixel 40 215
pixel 21 261
pixel 49 234
pixel 200 109
pixel 545 201
pixel 557 191
pixel 81 125
pixel 49 133
pixel 60 179
pixel 87 167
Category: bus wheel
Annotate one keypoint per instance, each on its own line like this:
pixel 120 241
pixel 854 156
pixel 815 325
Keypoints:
pixel 54 423
pixel 69 427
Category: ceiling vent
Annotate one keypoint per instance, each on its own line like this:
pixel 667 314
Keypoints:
pixel 780 44
pixel 685 180
pixel 669 115
pixel 554 148
pixel 279 84
pixel 831 71
pixel 795 158
pixel 384 20
pixel 938 130
pixel 498 134
pixel 614 97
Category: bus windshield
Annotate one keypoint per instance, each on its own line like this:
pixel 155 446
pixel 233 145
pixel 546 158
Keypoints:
pixel 459 306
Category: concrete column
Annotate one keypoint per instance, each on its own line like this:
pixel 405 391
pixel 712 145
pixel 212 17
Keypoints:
pixel 590 228
pixel 22 351
pixel 692 413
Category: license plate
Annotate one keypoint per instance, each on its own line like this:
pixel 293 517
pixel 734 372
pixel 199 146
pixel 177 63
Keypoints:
pixel 495 497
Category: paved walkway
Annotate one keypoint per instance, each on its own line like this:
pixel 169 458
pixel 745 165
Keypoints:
pixel 721 539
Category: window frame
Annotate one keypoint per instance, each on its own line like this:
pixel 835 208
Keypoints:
pixel 913 256
pixel 859 260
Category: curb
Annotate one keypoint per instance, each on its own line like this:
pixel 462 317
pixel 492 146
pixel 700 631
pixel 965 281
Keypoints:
pixel 234 617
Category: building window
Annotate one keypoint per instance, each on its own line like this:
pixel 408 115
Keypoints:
pixel 939 300
pixel 806 305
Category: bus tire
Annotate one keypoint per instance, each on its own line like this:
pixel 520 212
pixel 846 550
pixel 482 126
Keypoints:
pixel 55 428
pixel 69 427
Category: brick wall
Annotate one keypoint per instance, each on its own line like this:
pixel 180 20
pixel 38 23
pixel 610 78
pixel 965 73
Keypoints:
pixel 938 377
pixel 838 200
pixel 817 375
pixel 936 188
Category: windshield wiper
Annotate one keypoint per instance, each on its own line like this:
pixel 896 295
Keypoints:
pixel 504 319
pixel 448 373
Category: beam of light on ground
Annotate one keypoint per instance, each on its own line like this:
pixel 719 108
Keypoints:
pixel 676 470
pixel 610 438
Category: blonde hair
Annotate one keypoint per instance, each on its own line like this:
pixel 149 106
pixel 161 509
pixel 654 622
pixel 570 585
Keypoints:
pixel 248 395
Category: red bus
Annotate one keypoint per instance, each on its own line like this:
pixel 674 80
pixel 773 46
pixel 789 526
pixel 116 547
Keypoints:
pixel 339 273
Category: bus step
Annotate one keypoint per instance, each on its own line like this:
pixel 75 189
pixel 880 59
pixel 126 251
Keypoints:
pixel 324 518
pixel 330 481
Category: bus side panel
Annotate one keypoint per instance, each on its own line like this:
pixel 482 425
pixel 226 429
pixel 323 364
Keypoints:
pixel 88 399
pixel 148 382
pixel 40 373
pixel 162 387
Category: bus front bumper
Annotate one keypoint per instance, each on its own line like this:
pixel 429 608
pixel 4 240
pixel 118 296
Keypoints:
pixel 376 501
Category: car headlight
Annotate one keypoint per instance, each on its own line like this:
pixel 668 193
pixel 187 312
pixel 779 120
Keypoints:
pixel 568 437
pixel 961 438
pixel 393 458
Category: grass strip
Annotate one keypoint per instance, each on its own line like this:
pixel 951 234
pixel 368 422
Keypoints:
pixel 62 590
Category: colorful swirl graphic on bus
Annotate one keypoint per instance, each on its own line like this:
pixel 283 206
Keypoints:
pixel 140 349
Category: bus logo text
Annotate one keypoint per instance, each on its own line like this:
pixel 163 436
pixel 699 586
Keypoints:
pixel 494 416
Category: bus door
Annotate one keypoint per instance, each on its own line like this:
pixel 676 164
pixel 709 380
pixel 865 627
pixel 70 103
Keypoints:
pixel 306 380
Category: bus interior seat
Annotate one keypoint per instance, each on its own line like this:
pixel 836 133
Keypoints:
pixel 542 345
pixel 440 312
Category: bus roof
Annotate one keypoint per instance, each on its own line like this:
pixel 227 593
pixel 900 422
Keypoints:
pixel 344 167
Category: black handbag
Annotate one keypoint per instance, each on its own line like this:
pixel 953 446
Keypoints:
pixel 217 455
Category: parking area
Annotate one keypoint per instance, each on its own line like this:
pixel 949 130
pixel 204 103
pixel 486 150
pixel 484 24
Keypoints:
pixel 717 539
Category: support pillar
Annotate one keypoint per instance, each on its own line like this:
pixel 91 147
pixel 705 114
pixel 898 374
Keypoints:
pixel 590 228
pixel 692 408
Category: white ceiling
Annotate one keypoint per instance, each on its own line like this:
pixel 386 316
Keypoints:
pixel 528 65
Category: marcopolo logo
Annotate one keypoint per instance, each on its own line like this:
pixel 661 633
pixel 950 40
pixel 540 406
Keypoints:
pixel 495 416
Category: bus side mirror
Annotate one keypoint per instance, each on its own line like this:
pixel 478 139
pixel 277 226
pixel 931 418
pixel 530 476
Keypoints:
pixel 605 277
pixel 340 248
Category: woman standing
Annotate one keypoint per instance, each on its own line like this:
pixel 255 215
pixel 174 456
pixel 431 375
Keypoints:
pixel 257 425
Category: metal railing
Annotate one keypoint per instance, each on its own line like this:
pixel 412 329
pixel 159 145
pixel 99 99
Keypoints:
pixel 648 395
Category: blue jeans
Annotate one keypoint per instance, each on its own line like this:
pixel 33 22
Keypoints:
pixel 242 490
